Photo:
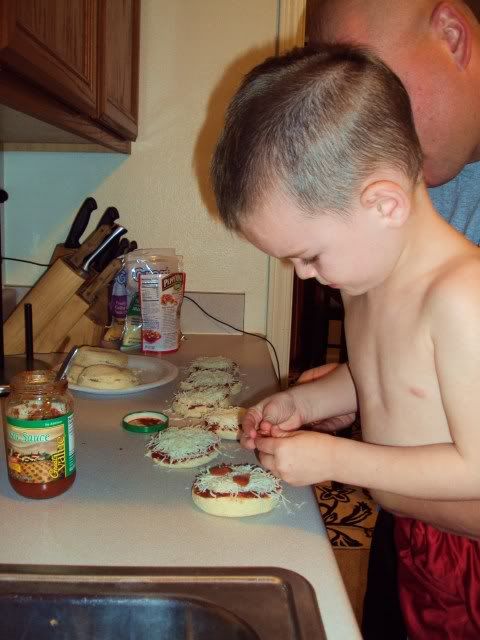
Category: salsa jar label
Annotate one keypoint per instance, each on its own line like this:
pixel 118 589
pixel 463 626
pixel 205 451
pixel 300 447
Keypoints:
pixel 40 451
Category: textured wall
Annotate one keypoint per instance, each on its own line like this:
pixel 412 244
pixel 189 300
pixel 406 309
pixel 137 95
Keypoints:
pixel 193 55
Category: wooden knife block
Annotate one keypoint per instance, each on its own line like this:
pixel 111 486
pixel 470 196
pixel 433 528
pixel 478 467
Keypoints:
pixel 47 296
pixel 89 329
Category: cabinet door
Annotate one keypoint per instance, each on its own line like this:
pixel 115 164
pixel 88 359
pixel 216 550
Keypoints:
pixel 119 25
pixel 53 44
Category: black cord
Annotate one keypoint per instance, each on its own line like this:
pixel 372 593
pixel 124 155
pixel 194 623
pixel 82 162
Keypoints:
pixel 255 335
pixel 38 264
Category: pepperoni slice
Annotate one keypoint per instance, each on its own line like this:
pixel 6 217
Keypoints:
pixel 220 470
pixel 242 479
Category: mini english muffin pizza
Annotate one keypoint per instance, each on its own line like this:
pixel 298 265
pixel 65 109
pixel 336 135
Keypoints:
pixel 207 378
pixel 107 376
pixel 183 447
pixel 195 404
pixel 226 422
pixel 216 363
pixel 236 490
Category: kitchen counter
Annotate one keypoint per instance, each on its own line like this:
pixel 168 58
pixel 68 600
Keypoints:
pixel 124 511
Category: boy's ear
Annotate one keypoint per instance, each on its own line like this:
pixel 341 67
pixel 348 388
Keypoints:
pixel 387 201
pixel 452 27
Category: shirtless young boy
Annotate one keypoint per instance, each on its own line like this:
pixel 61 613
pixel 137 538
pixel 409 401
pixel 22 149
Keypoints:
pixel 319 163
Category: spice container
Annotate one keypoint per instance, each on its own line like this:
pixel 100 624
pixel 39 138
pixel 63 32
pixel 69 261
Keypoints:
pixel 39 435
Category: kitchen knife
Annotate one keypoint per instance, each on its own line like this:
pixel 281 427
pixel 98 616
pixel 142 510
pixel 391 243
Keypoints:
pixel 55 335
pixel 109 254
pixel 93 244
pixel 109 216
pixel 79 224
pixel 77 229
pixel 117 232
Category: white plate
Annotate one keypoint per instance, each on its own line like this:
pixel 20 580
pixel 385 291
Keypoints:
pixel 152 372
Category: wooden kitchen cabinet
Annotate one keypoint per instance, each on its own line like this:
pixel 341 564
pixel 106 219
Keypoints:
pixel 72 64
pixel 119 26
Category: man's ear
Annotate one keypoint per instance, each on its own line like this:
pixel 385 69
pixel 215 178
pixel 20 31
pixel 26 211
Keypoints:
pixel 452 27
pixel 388 201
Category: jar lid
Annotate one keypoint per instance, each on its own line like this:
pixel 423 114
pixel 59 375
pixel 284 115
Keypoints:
pixel 145 421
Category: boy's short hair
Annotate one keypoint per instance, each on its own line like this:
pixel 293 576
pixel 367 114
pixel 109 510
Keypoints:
pixel 314 122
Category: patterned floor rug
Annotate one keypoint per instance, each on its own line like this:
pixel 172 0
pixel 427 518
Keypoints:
pixel 349 514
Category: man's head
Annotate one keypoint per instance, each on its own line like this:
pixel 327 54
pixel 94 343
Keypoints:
pixel 434 47
pixel 313 124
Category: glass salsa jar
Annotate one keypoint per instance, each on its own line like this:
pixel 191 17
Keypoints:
pixel 39 436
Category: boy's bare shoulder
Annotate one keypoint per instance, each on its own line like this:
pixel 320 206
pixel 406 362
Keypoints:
pixel 455 287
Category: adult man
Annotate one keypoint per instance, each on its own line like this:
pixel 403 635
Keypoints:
pixel 434 47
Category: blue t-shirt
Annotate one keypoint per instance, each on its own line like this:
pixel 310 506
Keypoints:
pixel 458 201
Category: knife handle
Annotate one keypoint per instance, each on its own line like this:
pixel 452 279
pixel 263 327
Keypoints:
pixel 102 280
pixel 116 233
pixel 109 216
pixel 89 246
pixel 80 223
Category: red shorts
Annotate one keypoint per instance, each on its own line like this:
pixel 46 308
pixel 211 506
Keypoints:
pixel 439 582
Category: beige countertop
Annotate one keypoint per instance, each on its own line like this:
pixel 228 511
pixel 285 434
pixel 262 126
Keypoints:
pixel 124 511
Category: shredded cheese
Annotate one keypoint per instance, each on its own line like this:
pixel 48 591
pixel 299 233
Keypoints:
pixel 208 378
pixel 261 483
pixel 183 443
pixel 197 403
pixel 213 362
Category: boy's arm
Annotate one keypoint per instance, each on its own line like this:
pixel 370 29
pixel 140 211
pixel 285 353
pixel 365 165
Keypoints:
pixel 332 395
pixel 433 472
pixel 333 423
pixel 327 396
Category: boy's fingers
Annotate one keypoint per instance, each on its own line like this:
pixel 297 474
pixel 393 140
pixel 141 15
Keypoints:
pixel 266 445
pixel 251 421
pixel 247 442
pixel 268 462
pixel 278 432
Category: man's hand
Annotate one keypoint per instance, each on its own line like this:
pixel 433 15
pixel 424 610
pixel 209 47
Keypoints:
pixel 274 416
pixel 330 424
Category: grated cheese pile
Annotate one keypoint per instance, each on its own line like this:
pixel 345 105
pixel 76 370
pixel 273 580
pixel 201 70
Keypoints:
pixel 198 402
pixel 260 482
pixel 202 378
pixel 183 442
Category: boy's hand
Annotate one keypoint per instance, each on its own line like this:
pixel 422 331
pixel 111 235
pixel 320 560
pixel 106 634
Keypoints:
pixel 273 416
pixel 300 458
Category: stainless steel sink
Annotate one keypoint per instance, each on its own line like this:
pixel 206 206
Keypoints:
pixel 131 603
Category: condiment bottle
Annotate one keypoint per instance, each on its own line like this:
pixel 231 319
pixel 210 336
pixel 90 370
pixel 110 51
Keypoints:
pixel 39 435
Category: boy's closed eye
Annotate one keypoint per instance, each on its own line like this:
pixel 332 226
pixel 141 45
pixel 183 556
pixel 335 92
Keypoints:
pixel 308 261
